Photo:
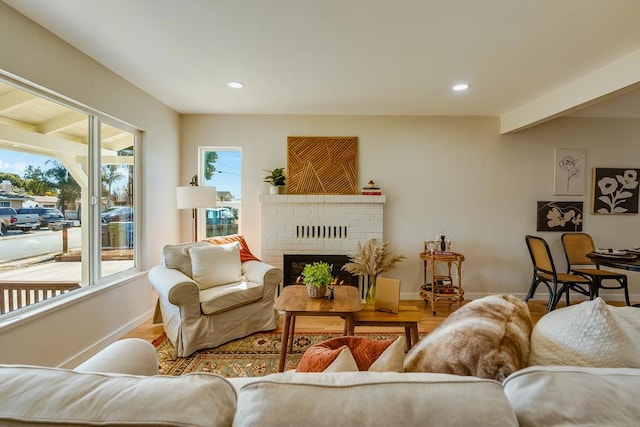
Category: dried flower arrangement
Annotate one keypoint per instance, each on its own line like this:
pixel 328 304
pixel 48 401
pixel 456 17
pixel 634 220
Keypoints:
pixel 372 259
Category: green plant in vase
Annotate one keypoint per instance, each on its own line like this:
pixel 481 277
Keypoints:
pixel 317 276
pixel 275 178
pixel 372 259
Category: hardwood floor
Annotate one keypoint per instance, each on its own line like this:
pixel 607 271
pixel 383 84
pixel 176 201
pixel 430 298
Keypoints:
pixel 148 331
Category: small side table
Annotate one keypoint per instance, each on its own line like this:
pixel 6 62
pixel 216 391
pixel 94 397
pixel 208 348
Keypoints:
pixel 431 292
pixel 295 301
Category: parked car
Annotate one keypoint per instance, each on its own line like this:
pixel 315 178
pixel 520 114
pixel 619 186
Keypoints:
pixel 47 215
pixel 117 214
pixel 217 216
pixel 12 220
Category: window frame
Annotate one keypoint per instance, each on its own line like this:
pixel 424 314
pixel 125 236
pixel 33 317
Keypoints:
pixel 95 281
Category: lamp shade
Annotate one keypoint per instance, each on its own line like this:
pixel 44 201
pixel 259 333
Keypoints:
pixel 194 196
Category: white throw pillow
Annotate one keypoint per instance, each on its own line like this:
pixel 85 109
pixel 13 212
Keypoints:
pixel 215 265
pixel 343 363
pixel 391 359
pixel 591 333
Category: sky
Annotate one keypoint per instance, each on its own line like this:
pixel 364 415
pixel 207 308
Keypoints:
pixel 228 173
pixel 16 162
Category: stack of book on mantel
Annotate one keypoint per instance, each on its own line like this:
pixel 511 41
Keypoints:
pixel 371 191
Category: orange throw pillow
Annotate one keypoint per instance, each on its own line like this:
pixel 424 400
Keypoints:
pixel 365 351
pixel 245 253
pixel 318 357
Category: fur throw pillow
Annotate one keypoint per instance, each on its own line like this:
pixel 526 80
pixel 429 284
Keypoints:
pixel 486 338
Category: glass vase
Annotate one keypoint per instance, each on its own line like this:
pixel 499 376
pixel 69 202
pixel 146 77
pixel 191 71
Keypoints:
pixel 371 291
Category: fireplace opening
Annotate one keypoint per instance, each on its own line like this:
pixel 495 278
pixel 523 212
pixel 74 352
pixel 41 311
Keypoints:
pixel 293 265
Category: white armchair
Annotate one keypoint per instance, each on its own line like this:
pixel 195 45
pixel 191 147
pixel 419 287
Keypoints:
pixel 201 307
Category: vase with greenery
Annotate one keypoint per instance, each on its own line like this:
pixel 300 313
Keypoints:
pixel 317 276
pixel 276 179
pixel 372 259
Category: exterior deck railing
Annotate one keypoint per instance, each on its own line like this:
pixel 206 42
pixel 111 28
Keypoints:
pixel 16 295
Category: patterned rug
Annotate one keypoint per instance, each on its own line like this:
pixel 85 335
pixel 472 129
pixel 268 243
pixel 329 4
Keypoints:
pixel 253 356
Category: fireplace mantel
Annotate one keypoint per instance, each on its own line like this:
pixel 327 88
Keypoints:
pixel 321 198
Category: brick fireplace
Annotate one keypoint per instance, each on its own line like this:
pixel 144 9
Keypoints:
pixel 318 224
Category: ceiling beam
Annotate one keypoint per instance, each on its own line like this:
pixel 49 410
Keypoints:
pixel 46 144
pixel 75 168
pixel 619 76
pixel 17 124
pixel 124 140
pixel 14 99
pixel 61 122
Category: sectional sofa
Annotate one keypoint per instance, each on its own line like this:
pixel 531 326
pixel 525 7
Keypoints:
pixel 120 386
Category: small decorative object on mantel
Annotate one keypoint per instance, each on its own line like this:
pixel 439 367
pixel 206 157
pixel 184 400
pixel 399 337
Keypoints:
pixel 371 189
pixel 317 276
pixel 276 178
pixel 372 259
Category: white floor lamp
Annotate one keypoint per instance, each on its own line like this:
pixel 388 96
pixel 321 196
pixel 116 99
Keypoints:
pixel 194 197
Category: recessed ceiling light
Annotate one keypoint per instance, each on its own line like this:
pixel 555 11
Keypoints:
pixel 460 86
pixel 235 85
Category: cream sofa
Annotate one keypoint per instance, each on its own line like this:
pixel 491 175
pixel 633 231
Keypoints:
pixel 120 386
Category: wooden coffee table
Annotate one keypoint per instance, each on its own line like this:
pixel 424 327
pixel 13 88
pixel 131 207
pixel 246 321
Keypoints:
pixel 408 319
pixel 295 301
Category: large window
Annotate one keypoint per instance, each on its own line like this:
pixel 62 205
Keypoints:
pixel 221 167
pixel 69 175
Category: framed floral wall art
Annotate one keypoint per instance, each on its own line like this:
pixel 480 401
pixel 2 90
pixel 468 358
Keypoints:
pixel 569 173
pixel 615 191
pixel 559 216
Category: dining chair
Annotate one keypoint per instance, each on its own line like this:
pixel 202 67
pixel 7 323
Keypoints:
pixel 576 247
pixel 544 271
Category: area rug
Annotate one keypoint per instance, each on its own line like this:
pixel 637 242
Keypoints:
pixel 253 356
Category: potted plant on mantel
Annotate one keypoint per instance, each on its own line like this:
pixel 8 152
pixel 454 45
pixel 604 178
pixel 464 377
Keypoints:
pixel 372 259
pixel 276 179
pixel 317 276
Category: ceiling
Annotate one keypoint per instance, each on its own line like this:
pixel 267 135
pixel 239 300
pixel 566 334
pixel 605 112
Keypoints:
pixel 527 60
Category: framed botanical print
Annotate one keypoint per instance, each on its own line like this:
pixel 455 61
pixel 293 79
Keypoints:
pixel 615 191
pixel 559 216
pixel 569 172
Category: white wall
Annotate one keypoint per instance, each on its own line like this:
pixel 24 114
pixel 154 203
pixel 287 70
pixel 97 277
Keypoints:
pixel 29 51
pixel 444 173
